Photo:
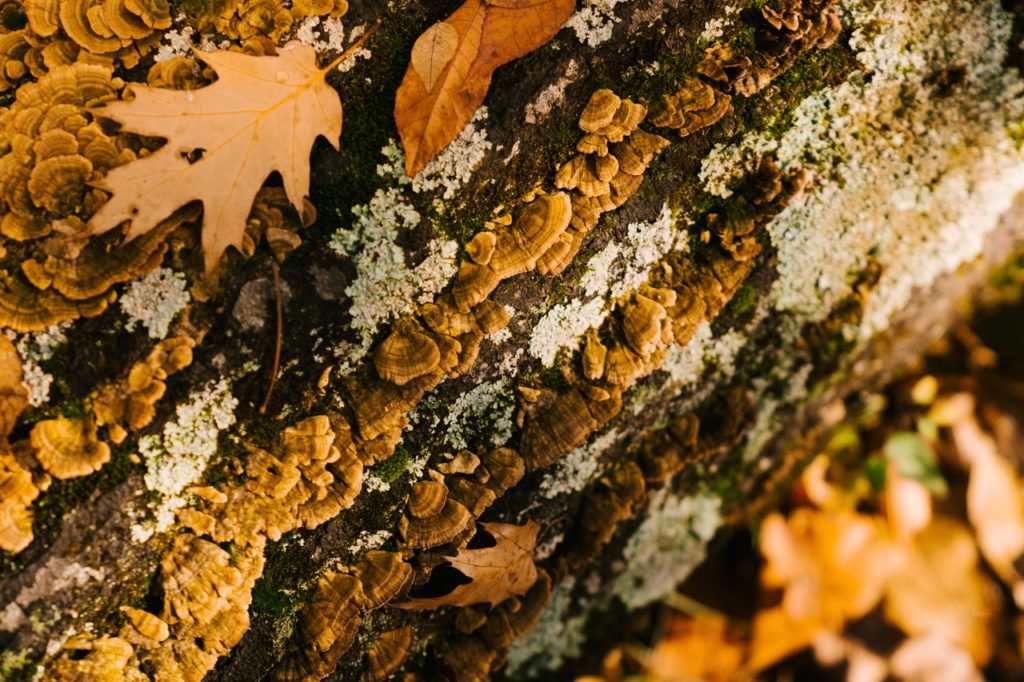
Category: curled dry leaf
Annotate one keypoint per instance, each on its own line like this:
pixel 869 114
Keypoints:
pixel 261 115
pixel 496 573
pixel 452 62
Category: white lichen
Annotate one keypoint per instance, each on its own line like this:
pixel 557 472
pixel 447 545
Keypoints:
pixel 594 22
pixel 563 325
pixel 385 286
pixel 177 457
pixel 577 469
pixel 611 275
pixel 666 547
pixel 450 170
pixel 154 300
pixel 948 166
pixel 373 483
pixel 484 409
pixel 34 349
pixel 369 540
pixel 176 41
pixel 551 96
pixel 557 637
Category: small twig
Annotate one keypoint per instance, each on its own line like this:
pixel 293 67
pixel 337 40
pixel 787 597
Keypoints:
pixel 277 344
pixel 352 48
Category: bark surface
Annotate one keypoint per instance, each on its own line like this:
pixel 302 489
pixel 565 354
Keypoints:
pixel 810 242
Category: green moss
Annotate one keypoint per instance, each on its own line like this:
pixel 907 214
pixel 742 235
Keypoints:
pixel 394 466
pixel 191 8
pixel 272 600
pixel 743 301
pixel 17 667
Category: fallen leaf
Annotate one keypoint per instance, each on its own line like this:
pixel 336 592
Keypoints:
pixel 941 591
pixel 995 502
pixel 933 659
pixel 13 396
pixel 261 115
pixel 698 648
pixel 832 568
pixel 496 573
pixel 452 62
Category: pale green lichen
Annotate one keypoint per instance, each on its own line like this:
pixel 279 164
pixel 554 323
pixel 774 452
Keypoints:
pixel 385 286
pixel 154 301
pixel 611 275
pixel 449 170
pixel 34 349
pixel 178 456
pixel 576 470
pixel 326 35
pixel 942 170
pixel 369 540
pixel 557 637
pixel 594 21
pixel 667 546
pixel 484 409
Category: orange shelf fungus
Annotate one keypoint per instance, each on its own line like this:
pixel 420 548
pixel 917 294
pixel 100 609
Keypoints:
pixel 694 107
pixel 405 355
pixel 68 448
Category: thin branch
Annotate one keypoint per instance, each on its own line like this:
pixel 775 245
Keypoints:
pixel 277 344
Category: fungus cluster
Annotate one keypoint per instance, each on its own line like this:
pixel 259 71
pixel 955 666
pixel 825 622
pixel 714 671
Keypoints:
pixel 68 448
pixel 259 24
pixel 511 247
pixel 40 36
pixel 315 475
pixel 329 622
pixel 207 591
pixel 130 404
pixel 613 156
pixel 18 488
pixel 695 106
pixel 792 27
pixel 315 469
pixel 482 636
pixel 50 152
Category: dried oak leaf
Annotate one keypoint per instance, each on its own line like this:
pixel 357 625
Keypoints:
pixel 261 115
pixel 452 62
pixel 495 573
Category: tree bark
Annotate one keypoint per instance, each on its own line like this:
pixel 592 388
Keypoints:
pixel 806 245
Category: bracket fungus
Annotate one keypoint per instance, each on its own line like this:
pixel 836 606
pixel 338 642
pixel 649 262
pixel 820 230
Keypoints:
pixel 328 624
pixel 406 354
pixel 607 171
pixel 536 227
pixel 445 525
pixel 130 404
pixel 18 488
pixel 387 652
pixel 693 107
pixel 68 448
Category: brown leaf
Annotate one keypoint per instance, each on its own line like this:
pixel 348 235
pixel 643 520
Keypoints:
pixel 261 115
pixel 13 396
pixel 496 573
pixel 452 62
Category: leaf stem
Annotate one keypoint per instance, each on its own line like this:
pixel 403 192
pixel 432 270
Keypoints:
pixel 277 345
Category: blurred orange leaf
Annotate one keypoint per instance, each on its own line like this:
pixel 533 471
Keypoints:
pixel 940 590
